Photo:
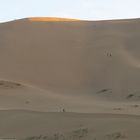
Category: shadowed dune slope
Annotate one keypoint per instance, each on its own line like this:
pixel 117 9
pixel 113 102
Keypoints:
pixel 84 60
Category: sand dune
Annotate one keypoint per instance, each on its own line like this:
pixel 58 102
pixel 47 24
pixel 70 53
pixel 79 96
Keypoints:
pixel 78 66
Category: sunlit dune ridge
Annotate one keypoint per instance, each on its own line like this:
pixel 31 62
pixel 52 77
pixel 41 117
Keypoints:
pixel 50 19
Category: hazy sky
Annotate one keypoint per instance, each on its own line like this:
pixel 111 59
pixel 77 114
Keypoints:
pixel 82 9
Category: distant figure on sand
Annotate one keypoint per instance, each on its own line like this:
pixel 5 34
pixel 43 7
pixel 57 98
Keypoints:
pixel 109 54
pixel 63 110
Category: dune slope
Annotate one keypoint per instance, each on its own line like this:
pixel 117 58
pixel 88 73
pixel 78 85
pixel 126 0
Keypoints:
pixel 99 60
pixel 73 66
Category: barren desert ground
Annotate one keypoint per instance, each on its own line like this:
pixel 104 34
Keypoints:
pixel 66 79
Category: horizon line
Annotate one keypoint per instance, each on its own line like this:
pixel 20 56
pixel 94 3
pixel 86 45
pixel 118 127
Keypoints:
pixel 53 18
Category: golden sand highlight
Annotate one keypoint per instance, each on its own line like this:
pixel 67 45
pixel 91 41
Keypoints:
pixel 51 19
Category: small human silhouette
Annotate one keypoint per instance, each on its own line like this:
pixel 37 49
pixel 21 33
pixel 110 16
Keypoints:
pixel 63 110
pixel 109 54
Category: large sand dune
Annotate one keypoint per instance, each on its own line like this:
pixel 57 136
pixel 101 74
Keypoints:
pixel 81 66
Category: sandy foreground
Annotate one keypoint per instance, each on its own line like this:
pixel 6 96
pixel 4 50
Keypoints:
pixel 70 80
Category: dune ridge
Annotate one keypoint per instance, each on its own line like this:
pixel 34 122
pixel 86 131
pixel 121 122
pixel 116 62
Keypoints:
pixel 54 19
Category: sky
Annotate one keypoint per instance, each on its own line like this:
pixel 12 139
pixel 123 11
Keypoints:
pixel 79 9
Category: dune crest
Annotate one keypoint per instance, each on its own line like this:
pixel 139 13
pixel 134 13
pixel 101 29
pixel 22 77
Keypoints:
pixel 50 19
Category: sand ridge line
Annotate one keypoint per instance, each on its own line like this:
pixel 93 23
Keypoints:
pixel 54 19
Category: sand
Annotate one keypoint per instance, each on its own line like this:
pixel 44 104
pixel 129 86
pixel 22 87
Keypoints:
pixel 69 79
pixel 51 19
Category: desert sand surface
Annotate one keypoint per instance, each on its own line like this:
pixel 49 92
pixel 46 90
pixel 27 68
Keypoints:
pixel 32 125
pixel 66 79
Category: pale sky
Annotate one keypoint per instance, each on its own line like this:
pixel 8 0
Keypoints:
pixel 81 9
